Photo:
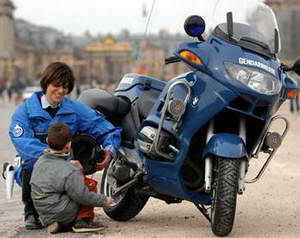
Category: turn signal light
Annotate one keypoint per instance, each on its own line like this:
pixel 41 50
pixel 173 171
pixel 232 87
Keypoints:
pixel 190 56
pixel 292 93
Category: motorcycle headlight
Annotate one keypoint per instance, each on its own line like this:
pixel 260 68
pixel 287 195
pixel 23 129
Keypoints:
pixel 255 79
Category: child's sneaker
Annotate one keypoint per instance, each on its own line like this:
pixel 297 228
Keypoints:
pixel 32 223
pixel 82 225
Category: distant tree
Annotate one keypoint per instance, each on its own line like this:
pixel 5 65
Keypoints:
pixel 124 34
pixel 87 34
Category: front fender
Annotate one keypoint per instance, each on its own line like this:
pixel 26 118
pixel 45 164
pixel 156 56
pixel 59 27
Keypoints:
pixel 226 145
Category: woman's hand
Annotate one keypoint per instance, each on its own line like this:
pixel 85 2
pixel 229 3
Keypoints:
pixel 105 162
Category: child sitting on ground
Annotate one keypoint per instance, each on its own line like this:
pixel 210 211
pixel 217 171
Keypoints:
pixel 62 196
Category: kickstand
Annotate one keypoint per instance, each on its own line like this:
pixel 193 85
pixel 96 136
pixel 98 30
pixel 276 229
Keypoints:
pixel 203 210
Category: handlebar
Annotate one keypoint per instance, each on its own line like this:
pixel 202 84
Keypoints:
pixel 172 59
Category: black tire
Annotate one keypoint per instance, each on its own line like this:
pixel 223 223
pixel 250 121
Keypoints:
pixel 128 204
pixel 225 189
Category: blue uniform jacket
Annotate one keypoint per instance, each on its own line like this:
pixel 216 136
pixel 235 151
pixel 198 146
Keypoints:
pixel 30 122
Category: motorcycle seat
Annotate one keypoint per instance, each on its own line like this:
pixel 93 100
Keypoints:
pixel 112 107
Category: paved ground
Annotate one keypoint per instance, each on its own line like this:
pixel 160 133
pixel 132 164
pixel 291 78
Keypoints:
pixel 269 208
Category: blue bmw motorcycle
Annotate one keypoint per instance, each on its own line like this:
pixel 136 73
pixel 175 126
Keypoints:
pixel 193 137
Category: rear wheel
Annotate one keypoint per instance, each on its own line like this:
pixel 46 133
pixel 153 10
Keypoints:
pixel 128 204
pixel 225 189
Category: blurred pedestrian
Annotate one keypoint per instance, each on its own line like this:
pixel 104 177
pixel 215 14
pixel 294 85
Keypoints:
pixel 294 104
pixel 17 87
pixel 78 91
pixel 2 89
pixel 9 90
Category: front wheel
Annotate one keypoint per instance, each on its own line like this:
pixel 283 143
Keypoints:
pixel 128 204
pixel 225 189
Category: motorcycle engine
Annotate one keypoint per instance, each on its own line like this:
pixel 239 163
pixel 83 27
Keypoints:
pixel 145 142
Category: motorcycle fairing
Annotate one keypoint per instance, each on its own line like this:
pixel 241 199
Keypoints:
pixel 216 92
pixel 165 182
pixel 215 51
pixel 165 177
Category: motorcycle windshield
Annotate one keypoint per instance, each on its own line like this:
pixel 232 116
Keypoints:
pixel 253 21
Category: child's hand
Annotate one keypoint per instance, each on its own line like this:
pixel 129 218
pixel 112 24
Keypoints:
pixel 109 202
pixel 105 162
pixel 77 164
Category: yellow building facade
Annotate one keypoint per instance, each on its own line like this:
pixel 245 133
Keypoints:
pixel 108 60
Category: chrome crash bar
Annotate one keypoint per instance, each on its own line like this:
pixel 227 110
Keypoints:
pixel 163 114
pixel 272 151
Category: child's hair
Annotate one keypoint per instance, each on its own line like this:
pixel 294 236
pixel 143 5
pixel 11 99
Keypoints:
pixel 59 134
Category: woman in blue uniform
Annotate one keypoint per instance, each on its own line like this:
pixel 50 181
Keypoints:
pixel 30 122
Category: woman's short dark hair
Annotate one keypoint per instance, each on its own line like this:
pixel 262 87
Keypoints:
pixel 59 134
pixel 59 74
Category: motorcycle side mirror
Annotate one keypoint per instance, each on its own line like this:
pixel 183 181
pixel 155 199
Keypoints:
pixel 296 66
pixel 194 26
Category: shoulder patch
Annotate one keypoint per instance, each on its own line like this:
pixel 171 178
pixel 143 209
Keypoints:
pixel 18 131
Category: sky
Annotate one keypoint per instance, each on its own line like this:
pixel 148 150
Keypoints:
pixel 99 16
pixel 77 16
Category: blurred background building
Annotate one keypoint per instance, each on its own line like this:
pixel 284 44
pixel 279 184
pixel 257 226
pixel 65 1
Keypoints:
pixel 7 41
pixel 108 59
pixel 288 17
pixel 26 49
